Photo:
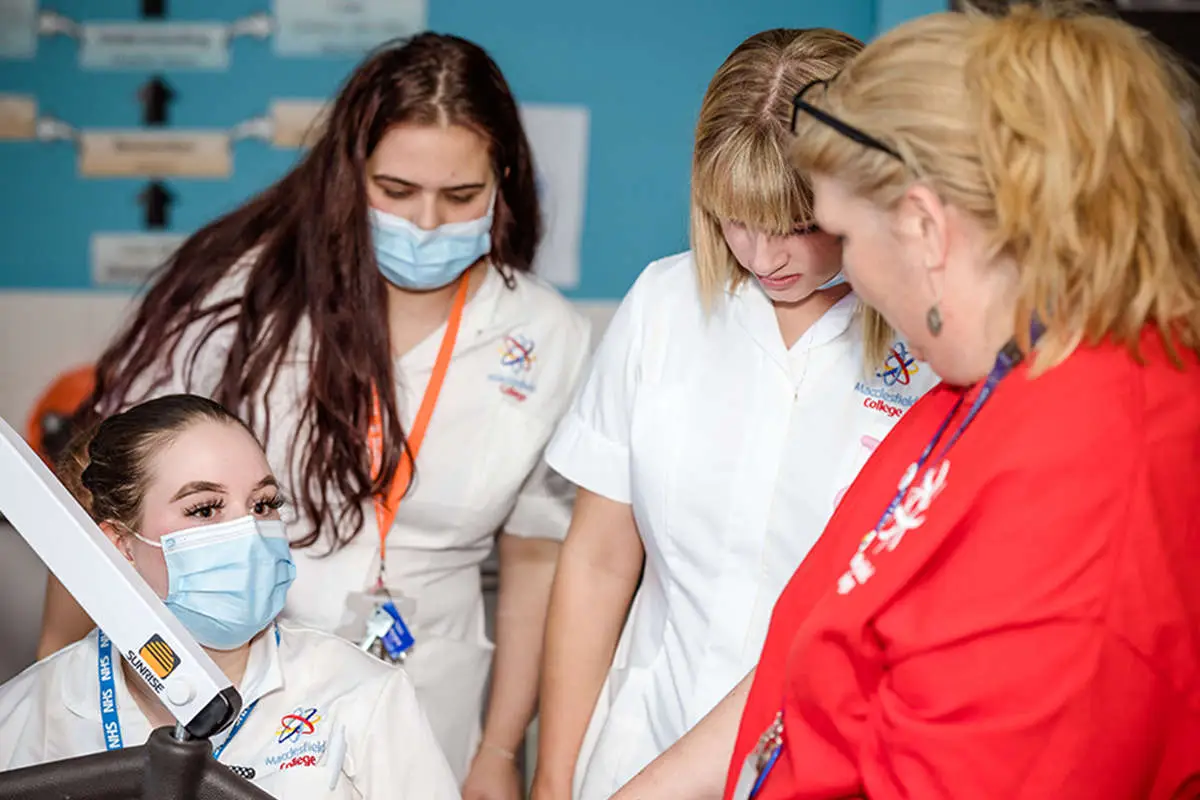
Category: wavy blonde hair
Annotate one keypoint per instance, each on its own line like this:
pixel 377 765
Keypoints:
pixel 740 165
pixel 1068 135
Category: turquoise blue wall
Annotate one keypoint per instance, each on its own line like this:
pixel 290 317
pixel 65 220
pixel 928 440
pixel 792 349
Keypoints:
pixel 890 13
pixel 640 66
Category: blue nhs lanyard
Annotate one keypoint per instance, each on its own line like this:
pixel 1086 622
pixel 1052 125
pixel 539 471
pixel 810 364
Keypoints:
pixel 110 721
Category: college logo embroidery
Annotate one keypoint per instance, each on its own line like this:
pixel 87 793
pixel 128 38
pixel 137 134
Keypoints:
pixel 517 358
pixel 898 367
pixel 908 515
pixel 306 754
pixel 517 353
pixel 301 722
pixel 896 372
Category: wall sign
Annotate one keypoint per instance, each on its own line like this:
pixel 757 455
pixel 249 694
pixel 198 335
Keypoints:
pixel 18 117
pixel 18 28
pixel 333 27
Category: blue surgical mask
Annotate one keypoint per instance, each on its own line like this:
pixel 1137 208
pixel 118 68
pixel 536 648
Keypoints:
pixel 226 582
pixel 836 280
pixel 413 258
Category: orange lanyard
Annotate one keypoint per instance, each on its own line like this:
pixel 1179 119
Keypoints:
pixel 385 507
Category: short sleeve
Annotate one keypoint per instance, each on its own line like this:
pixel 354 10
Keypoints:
pixel 543 508
pixel 396 754
pixel 1030 683
pixel 591 446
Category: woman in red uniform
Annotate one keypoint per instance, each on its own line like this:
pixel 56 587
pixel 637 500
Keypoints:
pixel 1006 604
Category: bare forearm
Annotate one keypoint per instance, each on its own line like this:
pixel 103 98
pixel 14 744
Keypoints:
pixel 526 576
pixel 694 768
pixel 587 610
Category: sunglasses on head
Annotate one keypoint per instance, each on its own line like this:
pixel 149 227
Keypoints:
pixel 799 104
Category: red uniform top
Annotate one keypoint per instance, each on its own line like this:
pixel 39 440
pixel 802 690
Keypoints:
pixel 1031 629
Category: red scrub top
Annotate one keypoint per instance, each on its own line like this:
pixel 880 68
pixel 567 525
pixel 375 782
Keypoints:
pixel 1035 630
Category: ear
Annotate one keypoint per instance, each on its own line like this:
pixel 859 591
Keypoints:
pixel 923 232
pixel 118 539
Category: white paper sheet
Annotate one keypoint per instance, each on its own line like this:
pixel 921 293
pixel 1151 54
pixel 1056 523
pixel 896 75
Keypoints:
pixel 558 135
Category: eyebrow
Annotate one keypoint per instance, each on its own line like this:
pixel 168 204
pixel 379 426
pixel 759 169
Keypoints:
pixel 196 487
pixel 462 187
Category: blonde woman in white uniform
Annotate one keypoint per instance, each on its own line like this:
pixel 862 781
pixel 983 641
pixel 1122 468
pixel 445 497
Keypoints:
pixel 736 394
pixel 374 304
pixel 184 492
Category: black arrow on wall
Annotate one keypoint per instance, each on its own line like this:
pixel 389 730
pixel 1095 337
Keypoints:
pixel 156 200
pixel 154 9
pixel 155 95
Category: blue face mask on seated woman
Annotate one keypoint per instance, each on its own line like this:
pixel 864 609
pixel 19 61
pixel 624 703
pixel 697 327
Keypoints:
pixel 413 258
pixel 226 582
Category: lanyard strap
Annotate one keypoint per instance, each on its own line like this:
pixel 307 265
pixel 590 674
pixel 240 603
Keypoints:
pixel 110 720
pixel 386 506
pixel 1006 361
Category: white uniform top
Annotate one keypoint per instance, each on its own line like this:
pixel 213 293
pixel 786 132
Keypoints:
pixel 733 451
pixel 516 361
pixel 331 721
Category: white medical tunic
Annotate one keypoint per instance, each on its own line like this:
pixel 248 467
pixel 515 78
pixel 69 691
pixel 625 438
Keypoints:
pixel 515 365
pixel 331 721
pixel 733 451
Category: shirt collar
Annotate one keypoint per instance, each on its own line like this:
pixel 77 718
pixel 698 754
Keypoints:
pixel 754 312
pixel 263 673
pixel 477 317
pixel 81 683
pixel 832 324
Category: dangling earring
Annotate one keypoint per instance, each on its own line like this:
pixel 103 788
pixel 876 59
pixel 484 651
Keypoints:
pixel 933 319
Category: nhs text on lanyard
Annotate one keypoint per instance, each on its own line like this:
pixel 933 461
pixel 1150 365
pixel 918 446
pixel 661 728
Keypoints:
pixel 765 755
pixel 110 720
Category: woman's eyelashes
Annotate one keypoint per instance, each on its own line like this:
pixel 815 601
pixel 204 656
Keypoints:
pixel 205 509
pixel 208 509
pixel 457 199
pixel 265 505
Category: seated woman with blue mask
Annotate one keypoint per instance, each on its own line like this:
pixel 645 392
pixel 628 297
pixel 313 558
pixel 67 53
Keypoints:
pixel 182 489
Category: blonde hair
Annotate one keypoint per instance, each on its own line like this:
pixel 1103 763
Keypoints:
pixel 1068 136
pixel 740 167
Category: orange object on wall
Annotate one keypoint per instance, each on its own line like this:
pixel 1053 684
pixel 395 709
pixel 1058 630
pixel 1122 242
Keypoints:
pixel 47 429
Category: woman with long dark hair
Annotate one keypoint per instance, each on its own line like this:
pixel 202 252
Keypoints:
pixel 373 319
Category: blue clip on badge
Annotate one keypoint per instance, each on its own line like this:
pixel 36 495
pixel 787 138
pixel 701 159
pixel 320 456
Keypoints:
pixel 398 639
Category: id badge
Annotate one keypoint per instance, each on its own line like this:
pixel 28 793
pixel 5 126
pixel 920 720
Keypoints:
pixel 753 773
pixel 399 639
pixel 746 778
pixel 368 621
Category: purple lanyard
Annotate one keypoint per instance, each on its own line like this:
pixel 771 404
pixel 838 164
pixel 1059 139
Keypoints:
pixel 1006 361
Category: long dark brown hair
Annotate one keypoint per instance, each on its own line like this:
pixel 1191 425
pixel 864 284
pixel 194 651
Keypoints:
pixel 317 264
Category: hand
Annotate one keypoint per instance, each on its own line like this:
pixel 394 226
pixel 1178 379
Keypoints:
pixel 493 776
